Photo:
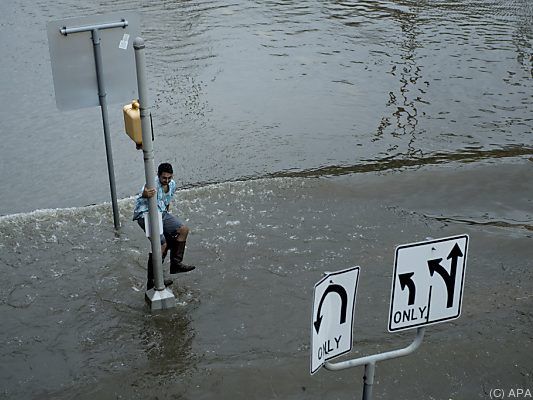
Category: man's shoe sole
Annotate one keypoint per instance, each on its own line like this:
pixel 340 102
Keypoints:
pixel 182 270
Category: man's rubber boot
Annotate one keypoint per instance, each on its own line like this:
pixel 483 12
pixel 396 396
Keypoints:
pixel 176 257
pixel 150 275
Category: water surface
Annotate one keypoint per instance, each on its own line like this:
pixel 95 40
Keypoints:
pixel 307 137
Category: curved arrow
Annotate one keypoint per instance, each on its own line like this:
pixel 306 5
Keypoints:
pixel 344 304
pixel 405 280
pixel 449 279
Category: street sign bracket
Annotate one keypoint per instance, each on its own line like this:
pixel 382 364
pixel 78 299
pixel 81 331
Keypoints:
pixel 121 24
pixel 374 358
pixel 370 362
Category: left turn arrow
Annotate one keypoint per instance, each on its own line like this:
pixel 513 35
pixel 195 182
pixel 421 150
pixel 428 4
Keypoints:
pixel 406 280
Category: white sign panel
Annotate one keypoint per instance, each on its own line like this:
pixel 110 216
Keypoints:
pixel 332 323
pixel 428 280
pixel 73 64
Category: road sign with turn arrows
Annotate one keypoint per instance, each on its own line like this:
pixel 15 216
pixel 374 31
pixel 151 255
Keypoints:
pixel 428 280
pixel 333 306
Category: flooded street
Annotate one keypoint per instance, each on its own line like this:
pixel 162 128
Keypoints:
pixel 79 327
pixel 306 137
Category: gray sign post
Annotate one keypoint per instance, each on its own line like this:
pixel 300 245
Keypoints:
pixel 159 297
pixel 74 75
pixel 370 362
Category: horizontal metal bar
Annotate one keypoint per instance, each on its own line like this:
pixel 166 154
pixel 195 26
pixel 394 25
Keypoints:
pixel 122 24
pixel 379 357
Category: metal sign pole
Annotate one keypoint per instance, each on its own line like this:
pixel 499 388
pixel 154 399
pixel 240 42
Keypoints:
pixel 102 95
pixel 103 107
pixel 368 380
pixel 370 362
pixel 159 297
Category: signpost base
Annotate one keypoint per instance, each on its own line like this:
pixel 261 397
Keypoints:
pixel 160 299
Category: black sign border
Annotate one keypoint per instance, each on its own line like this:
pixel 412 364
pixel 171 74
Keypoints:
pixel 405 246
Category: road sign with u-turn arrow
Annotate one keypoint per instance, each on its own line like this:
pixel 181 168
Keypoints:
pixel 333 306
pixel 428 280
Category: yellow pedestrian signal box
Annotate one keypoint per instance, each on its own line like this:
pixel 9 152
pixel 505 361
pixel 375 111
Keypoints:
pixel 132 122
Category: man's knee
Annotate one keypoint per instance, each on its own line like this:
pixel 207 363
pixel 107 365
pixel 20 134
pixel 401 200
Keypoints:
pixel 183 231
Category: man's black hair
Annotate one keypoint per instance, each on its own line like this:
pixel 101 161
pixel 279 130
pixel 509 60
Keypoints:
pixel 164 167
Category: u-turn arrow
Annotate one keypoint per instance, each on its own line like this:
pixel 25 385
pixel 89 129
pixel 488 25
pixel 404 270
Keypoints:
pixel 344 304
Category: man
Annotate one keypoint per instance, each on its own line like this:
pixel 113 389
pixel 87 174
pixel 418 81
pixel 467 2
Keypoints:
pixel 174 231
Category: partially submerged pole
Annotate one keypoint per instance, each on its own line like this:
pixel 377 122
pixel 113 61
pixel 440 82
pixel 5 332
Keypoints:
pixel 159 297
pixel 103 106
pixel 370 362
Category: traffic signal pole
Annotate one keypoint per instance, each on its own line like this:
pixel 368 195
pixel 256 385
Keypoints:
pixel 158 297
